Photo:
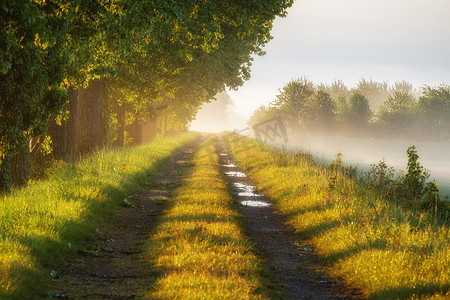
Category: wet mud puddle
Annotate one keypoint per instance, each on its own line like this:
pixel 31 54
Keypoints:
pixel 290 264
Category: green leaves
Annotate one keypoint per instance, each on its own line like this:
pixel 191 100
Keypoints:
pixel 5 65
pixel 32 66
pixel 184 52
pixel 181 51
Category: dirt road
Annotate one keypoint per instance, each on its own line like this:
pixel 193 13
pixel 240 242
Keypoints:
pixel 113 265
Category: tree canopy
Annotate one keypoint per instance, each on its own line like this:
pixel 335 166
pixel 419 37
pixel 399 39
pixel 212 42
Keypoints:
pixel 154 55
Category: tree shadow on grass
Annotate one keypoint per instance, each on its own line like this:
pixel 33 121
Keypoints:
pixel 319 227
pixel 29 283
pixel 200 241
pixel 200 217
pixel 416 292
pixel 399 292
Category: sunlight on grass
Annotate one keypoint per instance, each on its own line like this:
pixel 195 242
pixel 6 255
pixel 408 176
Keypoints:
pixel 385 248
pixel 49 218
pixel 198 247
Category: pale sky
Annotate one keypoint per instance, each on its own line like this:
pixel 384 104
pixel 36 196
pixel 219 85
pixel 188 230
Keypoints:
pixel 324 40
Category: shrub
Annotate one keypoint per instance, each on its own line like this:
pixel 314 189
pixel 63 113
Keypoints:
pixel 411 187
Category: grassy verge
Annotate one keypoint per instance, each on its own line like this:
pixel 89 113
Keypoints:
pixel 48 219
pixel 198 249
pixel 387 249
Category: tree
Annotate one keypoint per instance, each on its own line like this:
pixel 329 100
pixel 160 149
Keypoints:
pixel 403 87
pixel 358 112
pixel 191 54
pixel 397 114
pixel 292 101
pixel 262 113
pixel 375 92
pixel 341 109
pixel 434 111
pixel 319 113
pixel 32 61
pixel 336 89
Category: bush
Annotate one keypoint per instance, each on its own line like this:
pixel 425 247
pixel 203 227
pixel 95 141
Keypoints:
pixel 381 177
pixel 415 180
pixel 411 187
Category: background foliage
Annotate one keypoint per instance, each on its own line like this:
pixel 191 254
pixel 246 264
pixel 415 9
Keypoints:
pixel 371 109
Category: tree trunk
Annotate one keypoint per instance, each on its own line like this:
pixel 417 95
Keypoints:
pixel 14 168
pixel 149 130
pixel 5 171
pixel 135 131
pixel 20 165
pixel 121 129
pixel 72 123
pixel 164 121
pixel 64 134
pixel 91 129
pixel 138 132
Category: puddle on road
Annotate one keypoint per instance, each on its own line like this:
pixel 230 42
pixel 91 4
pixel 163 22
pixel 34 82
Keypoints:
pixel 235 174
pixel 246 190
pixel 230 165
pixel 248 193
pixel 255 203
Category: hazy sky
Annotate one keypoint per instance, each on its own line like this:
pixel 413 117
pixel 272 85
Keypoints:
pixel 324 40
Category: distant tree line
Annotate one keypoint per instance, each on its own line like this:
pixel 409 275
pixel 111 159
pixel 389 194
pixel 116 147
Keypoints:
pixel 78 75
pixel 372 109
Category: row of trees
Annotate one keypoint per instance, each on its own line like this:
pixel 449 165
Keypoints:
pixel 371 108
pixel 84 71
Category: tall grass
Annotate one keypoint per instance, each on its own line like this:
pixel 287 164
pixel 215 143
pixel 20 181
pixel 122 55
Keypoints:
pixel 199 249
pixel 388 249
pixel 47 219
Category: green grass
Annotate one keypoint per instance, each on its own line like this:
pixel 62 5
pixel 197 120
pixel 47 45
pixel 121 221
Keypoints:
pixel 387 249
pixel 48 219
pixel 199 249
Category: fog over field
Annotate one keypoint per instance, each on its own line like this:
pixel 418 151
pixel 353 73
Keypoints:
pixel 380 42
pixel 434 156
